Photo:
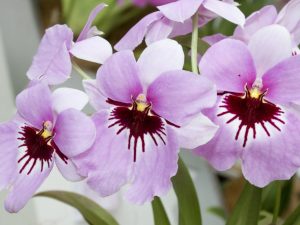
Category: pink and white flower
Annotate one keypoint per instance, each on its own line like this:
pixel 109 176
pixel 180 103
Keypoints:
pixel 289 17
pixel 45 131
pixel 256 85
pixel 146 110
pixel 52 62
pixel 174 19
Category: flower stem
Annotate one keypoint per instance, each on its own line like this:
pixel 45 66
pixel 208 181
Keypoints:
pixel 81 72
pixel 194 44
pixel 277 202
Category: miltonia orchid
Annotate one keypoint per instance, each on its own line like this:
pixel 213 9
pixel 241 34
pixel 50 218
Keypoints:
pixel 174 19
pixel 256 85
pixel 146 111
pixel 289 17
pixel 48 128
pixel 52 63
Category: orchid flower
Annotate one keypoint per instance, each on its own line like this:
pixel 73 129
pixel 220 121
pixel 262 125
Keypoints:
pixel 174 19
pixel 142 3
pixel 256 85
pixel 146 110
pixel 48 129
pixel 289 17
pixel 52 63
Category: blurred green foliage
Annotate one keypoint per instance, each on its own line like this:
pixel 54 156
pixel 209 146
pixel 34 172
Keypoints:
pixel 115 20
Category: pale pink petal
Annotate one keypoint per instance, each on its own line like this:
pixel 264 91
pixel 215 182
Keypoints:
pixel 179 95
pixel 289 16
pixel 223 150
pixel 118 78
pixel 74 132
pixel 34 104
pixel 257 20
pixel 95 49
pixel 229 65
pixel 296 36
pixel 151 2
pixel 180 29
pixel 136 34
pixel 68 170
pixel 96 98
pixel 269 46
pixel 213 39
pixel 108 162
pixel 283 81
pixel 66 98
pixel 160 57
pixel 180 10
pixel 273 158
pixel 24 188
pixel 154 169
pixel 8 153
pixel 160 29
pixel 52 62
pixel 94 32
pixel 87 26
pixel 196 132
pixel 226 10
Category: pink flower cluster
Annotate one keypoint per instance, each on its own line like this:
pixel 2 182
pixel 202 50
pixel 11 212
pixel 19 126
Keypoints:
pixel 244 105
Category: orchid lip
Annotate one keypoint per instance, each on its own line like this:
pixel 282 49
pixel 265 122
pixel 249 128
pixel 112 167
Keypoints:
pixel 140 120
pixel 251 109
pixel 39 145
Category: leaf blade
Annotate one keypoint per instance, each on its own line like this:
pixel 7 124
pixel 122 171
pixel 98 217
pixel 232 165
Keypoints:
pixel 159 213
pixel 293 218
pixel 188 204
pixel 247 208
pixel 91 211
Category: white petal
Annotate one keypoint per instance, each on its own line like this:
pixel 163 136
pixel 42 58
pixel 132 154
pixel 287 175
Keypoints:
pixel 66 98
pixel 69 170
pixel 198 131
pixel 95 49
pixel 159 57
pixel 269 46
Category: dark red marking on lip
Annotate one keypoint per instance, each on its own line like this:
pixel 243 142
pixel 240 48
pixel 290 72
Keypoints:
pixel 139 124
pixel 251 112
pixel 38 149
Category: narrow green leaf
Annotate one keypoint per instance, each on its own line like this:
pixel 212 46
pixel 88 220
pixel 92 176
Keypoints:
pixel 218 211
pixel 159 213
pixel 188 204
pixel 269 193
pixel 294 218
pixel 91 211
pixel 246 210
pixel 265 218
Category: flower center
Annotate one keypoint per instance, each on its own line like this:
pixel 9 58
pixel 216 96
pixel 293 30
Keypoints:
pixel 39 147
pixel 138 119
pixel 251 109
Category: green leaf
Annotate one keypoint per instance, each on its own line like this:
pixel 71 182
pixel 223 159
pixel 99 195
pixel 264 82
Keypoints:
pixel 188 204
pixel 269 196
pixel 246 210
pixel 294 218
pixel 92 212
pixel 159 213
pixel 218 211
pixel 265 218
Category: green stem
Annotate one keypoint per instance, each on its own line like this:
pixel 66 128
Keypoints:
pixel 194 44
pixel 277 202
pixel 81 72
